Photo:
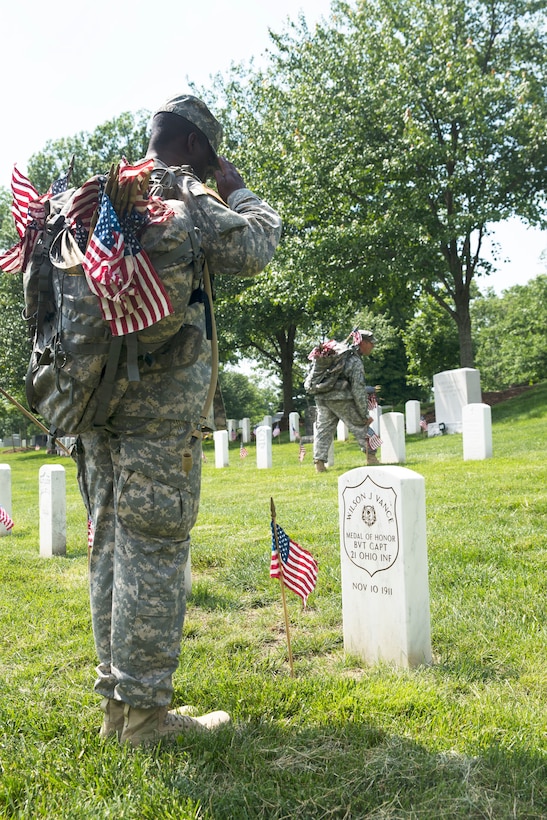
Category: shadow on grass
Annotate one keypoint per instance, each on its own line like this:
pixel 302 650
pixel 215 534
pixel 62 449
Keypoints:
pixel 270 771
pixel 358 771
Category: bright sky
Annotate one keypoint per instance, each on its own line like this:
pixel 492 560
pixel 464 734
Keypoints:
pixel 84 63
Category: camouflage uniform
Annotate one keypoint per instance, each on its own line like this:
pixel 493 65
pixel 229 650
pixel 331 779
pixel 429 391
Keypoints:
pixel 347 402
pixel 141 503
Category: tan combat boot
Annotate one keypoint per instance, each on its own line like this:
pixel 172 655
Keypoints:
pixel 372 461
pixel 320 467
pixel 113 717
pixel 152 725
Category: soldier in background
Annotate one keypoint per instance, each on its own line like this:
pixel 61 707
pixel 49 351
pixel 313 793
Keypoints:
pixel 348 401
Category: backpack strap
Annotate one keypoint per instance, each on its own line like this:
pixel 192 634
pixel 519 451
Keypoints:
pixel 106 387
pixel 41 254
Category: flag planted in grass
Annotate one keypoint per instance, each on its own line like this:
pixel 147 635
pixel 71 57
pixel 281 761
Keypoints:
pixel 5 519
pixel 298 568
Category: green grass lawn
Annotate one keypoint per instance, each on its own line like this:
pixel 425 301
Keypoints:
pixel 463 738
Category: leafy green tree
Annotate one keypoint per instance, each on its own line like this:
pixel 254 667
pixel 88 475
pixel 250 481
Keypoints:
pixel 94 153
pixel 243 398
pixel 510 335
pixel 319 275
pixel 431 344
pixel 415 125
pixel 14 344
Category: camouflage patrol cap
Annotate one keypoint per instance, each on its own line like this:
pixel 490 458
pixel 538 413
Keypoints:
pixel 359 336
pixel 196 112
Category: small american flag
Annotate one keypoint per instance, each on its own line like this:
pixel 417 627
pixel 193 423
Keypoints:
pixel 82 208
pixel 295 433
pixel 243 451
pixel 24 193
pixel 5 519
pixel 128 173
pixel 90 534
pixel 29 213
pixel 59 185
pixel 118 270
pixel 301 452
pixel 374 441
pixel 276 431
pixel 372 401
pixel 298 568
pixel 423 423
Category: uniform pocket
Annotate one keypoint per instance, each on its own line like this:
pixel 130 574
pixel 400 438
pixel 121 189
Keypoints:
pixel 154 496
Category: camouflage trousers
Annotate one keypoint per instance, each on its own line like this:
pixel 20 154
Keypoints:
pixel 142 507
pixel 329 413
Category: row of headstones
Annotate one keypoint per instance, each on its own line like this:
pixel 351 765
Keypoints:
pixel 385 593
pixel 52 511
pixel 51 505
pixel 233 425
pixel 62 445
pixel 476 429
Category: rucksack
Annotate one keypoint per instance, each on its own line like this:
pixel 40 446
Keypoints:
pixel 73 379
pixel 327 367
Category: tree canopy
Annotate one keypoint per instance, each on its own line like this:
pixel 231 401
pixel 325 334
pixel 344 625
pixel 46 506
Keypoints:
pixel 391 138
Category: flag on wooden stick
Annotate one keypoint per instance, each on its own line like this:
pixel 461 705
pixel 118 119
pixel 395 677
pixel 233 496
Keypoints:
pixel 293 564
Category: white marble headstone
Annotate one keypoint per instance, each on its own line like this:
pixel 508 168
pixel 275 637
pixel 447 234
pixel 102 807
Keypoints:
pixel 264 447
pixel 188 575
pixel 393 450
pixel 222 457
pixel 245 430
pixel 294 426
pixel 385 589
pixel 231 425
pixel 477 431
pixel 453 390
pixel 5 494
pixel 376 415
pixel 412 417
pixel 52 504
pixel 342 431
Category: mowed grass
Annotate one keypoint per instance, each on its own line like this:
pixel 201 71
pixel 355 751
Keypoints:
pixel 463 738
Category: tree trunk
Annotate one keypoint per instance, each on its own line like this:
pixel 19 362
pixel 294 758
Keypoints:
pixel 286 347
pixel 463 322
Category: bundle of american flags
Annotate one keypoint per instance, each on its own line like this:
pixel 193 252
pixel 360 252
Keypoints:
pixel 297 569
pixel 130 292
pixel 6 519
